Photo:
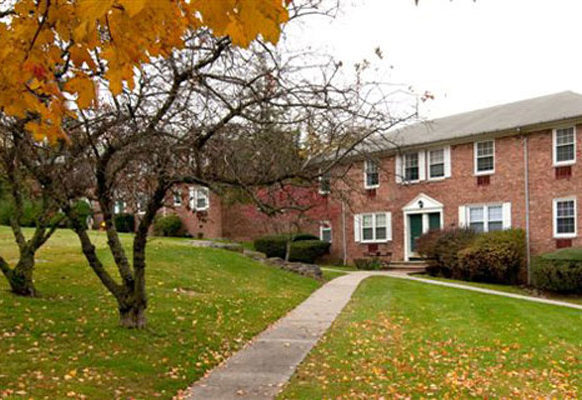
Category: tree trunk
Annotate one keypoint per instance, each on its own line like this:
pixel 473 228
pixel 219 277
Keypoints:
pixel 133 316
pixel 20 278
pixel 288 250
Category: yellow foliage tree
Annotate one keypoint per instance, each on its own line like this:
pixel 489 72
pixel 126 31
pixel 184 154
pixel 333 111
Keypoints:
pixel 54 53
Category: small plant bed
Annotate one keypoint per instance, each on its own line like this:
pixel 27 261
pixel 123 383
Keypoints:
pixel 204 304
pixel 401 339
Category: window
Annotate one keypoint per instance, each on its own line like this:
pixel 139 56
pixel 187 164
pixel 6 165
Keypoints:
pixel 486 218
pixel 325 232
pixel 374 227
pixel 436 163
pixel 141 204
pixel 371 175
pixel 564 218
pixel 485 157
pixel 119 207
pixel 199 199
pixel 411 167
pixel 564 146
pixel 177 198
pixel 325 183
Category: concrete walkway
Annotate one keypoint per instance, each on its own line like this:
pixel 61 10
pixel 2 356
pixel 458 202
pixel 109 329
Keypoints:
pixel 259 370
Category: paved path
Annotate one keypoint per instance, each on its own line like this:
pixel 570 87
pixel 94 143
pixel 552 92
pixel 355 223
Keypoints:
pixel 259 370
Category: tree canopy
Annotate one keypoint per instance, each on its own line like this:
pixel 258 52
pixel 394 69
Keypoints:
pixel 56 55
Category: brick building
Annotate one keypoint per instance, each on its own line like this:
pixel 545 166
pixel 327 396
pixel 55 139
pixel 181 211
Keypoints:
pixel 512 165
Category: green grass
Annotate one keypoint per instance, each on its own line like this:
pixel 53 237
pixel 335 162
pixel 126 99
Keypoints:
pixel 204 304
pixel 522 290
pixel 400 339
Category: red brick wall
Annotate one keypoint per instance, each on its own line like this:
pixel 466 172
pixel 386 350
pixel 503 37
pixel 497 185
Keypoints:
pixel 205 224
pixel 544 188
pixel 506 185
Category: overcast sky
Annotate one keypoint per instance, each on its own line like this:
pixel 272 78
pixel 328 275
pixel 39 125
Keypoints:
pixel 468 54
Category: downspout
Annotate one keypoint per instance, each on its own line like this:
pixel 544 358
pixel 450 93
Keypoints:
pixel 344 249
pixel 527 228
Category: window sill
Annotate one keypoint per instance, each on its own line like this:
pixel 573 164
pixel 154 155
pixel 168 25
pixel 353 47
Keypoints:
pixel 371 187
pixel 438 179
pixel 566 236
pixel 564 164
pixel 375 241
pixel 484 173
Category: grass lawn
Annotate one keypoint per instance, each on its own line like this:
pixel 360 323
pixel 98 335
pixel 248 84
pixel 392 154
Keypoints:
pixel 203 305
pixel 576 299
pixel 399 339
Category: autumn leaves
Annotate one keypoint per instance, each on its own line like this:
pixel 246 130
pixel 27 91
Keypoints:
pixel 57 55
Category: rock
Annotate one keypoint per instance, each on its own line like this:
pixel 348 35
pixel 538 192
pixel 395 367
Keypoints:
pixel 255 255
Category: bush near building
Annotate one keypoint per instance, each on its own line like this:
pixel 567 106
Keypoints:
pixel 170 226
pixel 493 257
pixel 560 271
pixel 124 222
pixel 304 247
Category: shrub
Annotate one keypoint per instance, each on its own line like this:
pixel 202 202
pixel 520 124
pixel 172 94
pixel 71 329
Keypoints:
pixel 441 249
pixel 169 226
pixel 367 264
pixel 272 246
pixel 303 251
pixel 308 251
pixel 557 275
pixel 304 236
pixel 124 222
pixel 30 212
pixel 494 257
pixel 83 211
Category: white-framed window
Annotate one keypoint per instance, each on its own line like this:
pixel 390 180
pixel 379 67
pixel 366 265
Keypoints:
pixel 325 233
pixel 436 163
pixel 177 197
pixel 373 227
pixel 565 225
pixel 564 146
pixel 486 217
pixel 119 207
pixel 141 204
pixel 325 183
pixel 411 167
pixel 485 157
pixel 199 199
pixel 371 175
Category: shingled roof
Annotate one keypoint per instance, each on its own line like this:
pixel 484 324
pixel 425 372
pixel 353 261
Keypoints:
pixel 505 117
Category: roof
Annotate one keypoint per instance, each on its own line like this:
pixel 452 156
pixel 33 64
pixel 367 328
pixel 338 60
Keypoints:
pixel 505 117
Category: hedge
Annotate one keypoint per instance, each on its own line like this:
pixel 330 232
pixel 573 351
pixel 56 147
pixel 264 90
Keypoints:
pixel 495 257
pixel 124 223
pixel 171 226
pixel 557 275
pixel 301 250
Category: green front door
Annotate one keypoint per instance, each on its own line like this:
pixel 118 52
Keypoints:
pixel 415 224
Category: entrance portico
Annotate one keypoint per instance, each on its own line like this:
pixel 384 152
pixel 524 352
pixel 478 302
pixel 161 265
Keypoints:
pixel 420 215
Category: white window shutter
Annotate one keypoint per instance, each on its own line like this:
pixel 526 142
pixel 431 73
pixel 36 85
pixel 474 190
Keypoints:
pixel 506 215
pixel 422 165
pixel 388 226
pixel 357 228
pixel 447 153
pixel 398 168
pixel 192 197
pixel 207 191
pixel 462 216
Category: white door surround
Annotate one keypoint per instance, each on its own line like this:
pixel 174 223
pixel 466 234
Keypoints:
pixel 424 205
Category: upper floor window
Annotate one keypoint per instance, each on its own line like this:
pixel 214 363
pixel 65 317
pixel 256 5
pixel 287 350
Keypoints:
pixel 177 198
pixel 411 167
pixel 564 218
pixel 119 207
pixel 325 232
pixel 485 157
pixel 325 183
pixel 564 146
pixel 372 179
pixel 436 164
pixel 199 199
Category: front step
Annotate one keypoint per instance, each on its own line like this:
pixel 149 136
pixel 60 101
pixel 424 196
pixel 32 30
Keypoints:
pixel 408 265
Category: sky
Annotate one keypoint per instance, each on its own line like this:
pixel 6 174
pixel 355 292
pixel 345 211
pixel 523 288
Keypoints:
pixel 468 54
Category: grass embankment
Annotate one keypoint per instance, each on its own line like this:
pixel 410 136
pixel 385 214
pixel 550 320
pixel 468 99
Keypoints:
pixel 403 339
pixel 203 305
